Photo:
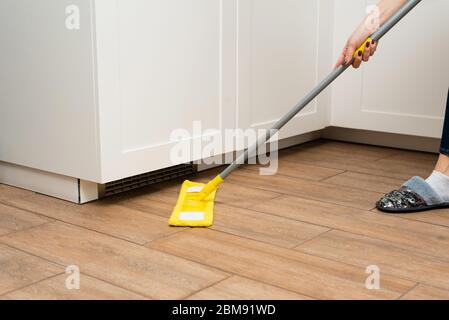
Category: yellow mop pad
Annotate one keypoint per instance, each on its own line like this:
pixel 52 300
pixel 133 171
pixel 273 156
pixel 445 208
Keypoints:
pixel 195 206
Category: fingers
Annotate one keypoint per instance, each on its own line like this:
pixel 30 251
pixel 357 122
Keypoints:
pixel 370 49
pixel 358 60
pixel 348 53
pixel 367 52
pixel 373 47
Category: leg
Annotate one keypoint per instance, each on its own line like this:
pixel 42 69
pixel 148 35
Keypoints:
pixel 439 179
pixel 443 161
pixel 418 194
pixel 442 164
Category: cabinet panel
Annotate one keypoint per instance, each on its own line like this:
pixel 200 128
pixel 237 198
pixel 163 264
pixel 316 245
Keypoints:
pixel 169 68
pixel 162 65
pixel 48 117
pixel 279 62
pixel 404 88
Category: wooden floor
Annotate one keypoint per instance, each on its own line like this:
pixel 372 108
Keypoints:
pixel 308 232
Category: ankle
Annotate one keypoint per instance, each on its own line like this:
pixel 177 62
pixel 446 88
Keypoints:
pixel 442 164
pixel 439 182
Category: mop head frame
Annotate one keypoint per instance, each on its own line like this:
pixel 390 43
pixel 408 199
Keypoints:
pixel 194 208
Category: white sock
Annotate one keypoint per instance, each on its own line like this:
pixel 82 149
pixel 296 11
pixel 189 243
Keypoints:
pixel 440 184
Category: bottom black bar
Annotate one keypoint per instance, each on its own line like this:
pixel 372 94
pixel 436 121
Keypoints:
pixel 223 309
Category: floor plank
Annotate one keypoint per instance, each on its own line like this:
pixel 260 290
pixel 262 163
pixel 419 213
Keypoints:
pixel 286 268
pixel 242 222
pixel 425 158
pixel 299 170
pixel 139 269
pixel 385 167
pixel 119 221
pixel 365 181
pixel 242 196
pixel 407 234
pixel 161 207
pixel 229 194
pixel 12 219
pixel 308 189
pixel 19 269
pixel 55 288
pixel 305 232
pixel 263 227
pixel 364 251
pixel 7 192
pixel 349 150
pixel 238 288
pixel 437 217
pixel 422 292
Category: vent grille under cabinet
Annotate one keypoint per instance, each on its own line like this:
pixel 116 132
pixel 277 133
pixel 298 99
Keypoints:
pixel 145 179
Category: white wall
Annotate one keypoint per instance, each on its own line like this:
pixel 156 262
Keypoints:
pixel 404 88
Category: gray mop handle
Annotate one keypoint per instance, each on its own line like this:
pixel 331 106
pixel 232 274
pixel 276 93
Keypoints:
pixel 376 36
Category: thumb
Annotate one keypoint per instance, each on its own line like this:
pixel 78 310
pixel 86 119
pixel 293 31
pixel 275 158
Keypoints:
pixel 349 55
pixel 340 61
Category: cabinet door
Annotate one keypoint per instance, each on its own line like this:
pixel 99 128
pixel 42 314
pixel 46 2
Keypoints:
pixel 162 65
pixel 283 51
pixel 47 105
pixel 404 88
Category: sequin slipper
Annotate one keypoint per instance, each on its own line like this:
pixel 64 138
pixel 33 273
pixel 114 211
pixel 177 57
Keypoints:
pixel 414 195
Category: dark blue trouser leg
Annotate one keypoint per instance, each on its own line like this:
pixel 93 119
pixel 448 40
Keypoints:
pixel 444 147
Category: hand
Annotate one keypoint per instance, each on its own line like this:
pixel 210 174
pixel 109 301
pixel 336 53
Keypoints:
pixel 354 42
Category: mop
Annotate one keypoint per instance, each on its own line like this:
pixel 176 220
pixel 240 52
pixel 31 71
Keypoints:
pixel 195 206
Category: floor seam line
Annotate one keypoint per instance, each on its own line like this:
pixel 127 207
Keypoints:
pixel 208 286
pixel 311 239
pixel 64 266
pixel 315 199
pixel 392 244
pixel 75 225
pixel 333 176
pixel 420 221
pixel 31 284
pixel 165 236
pixel 408 291
pixel 294 250
pixel 233 273
pixel 333 228
pixel 355 170
pixel 26 229
pixel 390 274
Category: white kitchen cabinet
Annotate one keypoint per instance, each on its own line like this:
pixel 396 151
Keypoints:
pixel 48 109
pixel 163 64
pixel 404 88
pixel 96 100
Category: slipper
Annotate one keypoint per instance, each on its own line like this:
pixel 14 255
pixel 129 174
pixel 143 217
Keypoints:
pixel 414 195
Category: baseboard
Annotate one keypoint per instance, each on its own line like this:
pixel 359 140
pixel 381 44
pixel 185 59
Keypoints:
pixel 51 184
pixel 384 139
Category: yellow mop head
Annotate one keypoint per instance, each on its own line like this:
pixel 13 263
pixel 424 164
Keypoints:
pixel 195 206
